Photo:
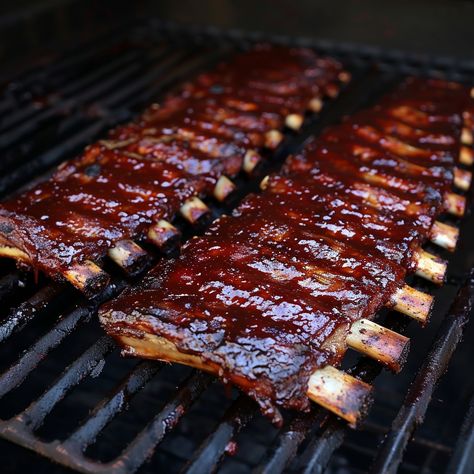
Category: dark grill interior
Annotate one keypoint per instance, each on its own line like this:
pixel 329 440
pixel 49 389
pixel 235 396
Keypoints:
pixel 68 395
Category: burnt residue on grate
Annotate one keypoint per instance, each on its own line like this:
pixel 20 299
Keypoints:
pixel 65 392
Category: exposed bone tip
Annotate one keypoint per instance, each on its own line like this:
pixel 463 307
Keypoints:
pixel 344 77
pixel 466 136
pixel 294 121
pixel 194 210
pixel 164 235
pixel 431 267
pixel 462 179
pixel 340 393
pixel 386 346
pixel 264 183
pixel 251 160
pixel 413 303
pixel 444 235
pixel 315 105
pixel 273 138
pixel 466 156
pixel 87 277
pixel 129 256
pixel 455 204
pixel 224 188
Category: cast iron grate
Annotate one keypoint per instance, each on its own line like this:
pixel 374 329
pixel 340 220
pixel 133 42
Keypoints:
pixel 67 395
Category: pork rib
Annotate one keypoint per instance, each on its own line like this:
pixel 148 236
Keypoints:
pixel 271 296
pixel 130 186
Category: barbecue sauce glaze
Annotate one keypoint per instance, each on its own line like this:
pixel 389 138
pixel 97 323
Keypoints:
pixel 267 295
pixel 147 169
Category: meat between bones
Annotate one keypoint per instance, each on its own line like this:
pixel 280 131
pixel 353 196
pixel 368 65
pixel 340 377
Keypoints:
pixel 270 297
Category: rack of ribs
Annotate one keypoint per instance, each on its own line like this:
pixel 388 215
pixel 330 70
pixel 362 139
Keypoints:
pixel 270 297
pixel 129 187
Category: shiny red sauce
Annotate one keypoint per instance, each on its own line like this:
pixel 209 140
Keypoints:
pixel 147 169
pixel 326 243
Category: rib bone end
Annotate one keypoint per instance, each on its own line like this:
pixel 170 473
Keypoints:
pixel 455 204
pixel 251 160
pixel 340 393
pixel 129 256
pixel 223 188
pixel 382 344
pixel 294 121
pixel 273 138
pixel 462 179
pixel 315 105
pixel 264 183
pixel 431 267
pixel 164 235
pixel 344 77
pixel 412 303
pixel 466 136
pixel 444 235
pixel 466 156
pixel 195 211
pixel 87 277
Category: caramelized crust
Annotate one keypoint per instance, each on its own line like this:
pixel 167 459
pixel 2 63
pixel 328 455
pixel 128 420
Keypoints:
pixel 145 172
pixel 268 295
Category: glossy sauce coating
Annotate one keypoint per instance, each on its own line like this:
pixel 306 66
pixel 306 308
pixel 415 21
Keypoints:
pixel 329 240
pixel 260 304
pixel 93 202
pixel 147 169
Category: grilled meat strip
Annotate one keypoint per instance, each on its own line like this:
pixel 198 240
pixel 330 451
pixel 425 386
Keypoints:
pixel 257 297
pixel 145 171
pixel 261 297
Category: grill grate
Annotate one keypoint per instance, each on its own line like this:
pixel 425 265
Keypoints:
pixel 65 392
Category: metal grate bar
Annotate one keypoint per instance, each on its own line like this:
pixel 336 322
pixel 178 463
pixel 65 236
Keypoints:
pixel 28 310
pixel 10 136
pixel 289 440
pixel 462 461
pixel 171 66
pixel 144 90
pixel 144 444
pixel 211 451
pixel 319 450
pixel 35 414
pixel 18 372
pixel 61 70
pixel 45 160
pixel 111 406
pixel 412 412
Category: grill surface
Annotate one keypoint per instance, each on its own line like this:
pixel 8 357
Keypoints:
pixel 68 395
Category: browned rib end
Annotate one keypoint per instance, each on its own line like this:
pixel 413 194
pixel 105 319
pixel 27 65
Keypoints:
pixel 412 302
pixel 379 343
pixel 87 277
pixel 340 393
pixel 164 235
pixel 430 267
pixel 444 235
pixel 129 256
